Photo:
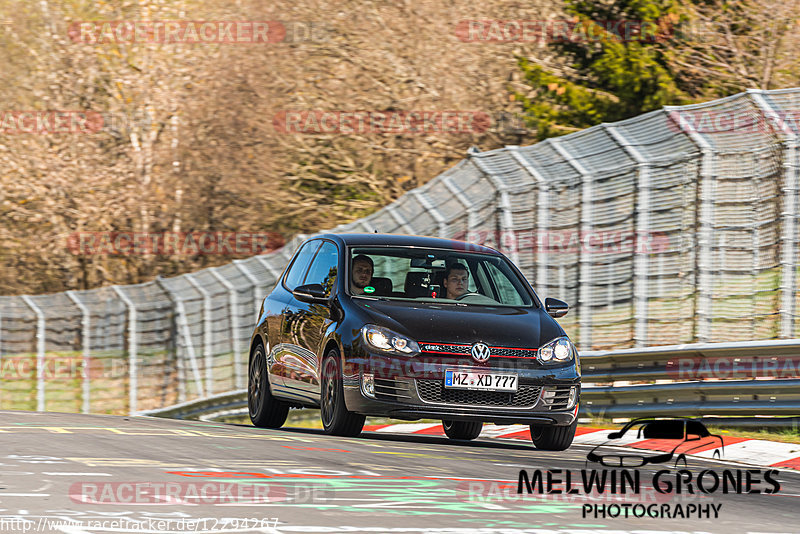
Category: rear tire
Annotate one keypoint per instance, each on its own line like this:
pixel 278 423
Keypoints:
pixel 336 419
pixel 553 438
pixel 265 410
pixel 462 429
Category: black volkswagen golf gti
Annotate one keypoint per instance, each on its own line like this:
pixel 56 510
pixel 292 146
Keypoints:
pixel 412 327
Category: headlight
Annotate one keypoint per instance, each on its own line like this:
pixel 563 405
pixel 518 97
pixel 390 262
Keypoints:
pixel 386 340
pixel 560 349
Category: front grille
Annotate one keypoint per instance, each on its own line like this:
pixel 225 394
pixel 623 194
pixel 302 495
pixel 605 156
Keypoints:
pixel 433 391
pixel 391 390
pixel 507 352
pixel 514 353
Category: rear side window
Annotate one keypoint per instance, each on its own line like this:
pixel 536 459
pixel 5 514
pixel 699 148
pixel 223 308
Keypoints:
pixel 508 293
pixel 298 268
pixel 323 269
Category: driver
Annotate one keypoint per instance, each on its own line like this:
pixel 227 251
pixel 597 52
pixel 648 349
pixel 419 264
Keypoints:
pixel 362 274
pixel 456 281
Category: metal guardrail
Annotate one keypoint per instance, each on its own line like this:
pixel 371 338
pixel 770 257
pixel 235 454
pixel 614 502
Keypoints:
pixel 208 408
pixel 751 378
pixel 609 393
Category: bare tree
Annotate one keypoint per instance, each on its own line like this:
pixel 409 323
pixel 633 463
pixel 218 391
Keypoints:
pixel 731 45
pixel 188 141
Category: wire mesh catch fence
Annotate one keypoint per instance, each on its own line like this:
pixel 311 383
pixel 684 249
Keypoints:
pixel 678 226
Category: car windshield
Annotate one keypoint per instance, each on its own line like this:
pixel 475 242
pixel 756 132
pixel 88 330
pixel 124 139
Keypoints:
pixel 442 276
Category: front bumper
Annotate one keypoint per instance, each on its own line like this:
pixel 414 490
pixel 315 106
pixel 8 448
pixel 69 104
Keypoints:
pixel 542 395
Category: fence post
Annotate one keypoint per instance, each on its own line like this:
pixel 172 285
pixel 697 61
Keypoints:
pixel 542 219
pixel 399 219
pixel 430 208
pixel 208 356
pixel 586 281
pixel 40 346
pixel 507 216
pixel 239 264
pixel 233 302
pixel 1 337
pixel 456 191
pixel 788 285
pixel 86 335
pixel 183 326
pixel 706 183
pixel 133 350
pixel 641 229
pixel 263 261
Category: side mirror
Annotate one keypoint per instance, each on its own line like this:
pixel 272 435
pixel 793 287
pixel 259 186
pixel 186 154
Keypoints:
pixel 555 307
pixel 615 435
pixel 313 293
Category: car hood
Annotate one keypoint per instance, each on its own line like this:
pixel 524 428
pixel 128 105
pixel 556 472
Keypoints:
pixel 446 323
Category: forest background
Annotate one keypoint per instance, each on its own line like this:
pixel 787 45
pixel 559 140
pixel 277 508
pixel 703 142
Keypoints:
pixel 191 139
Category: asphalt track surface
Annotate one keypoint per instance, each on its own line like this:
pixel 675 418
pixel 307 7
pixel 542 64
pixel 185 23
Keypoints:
pixel 80 474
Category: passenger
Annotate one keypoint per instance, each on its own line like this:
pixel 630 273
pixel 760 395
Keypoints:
pixel 362 274
pixel 456 281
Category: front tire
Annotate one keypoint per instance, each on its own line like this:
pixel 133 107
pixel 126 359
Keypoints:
pixel 462 429
pixel 336 419
pixel 553 438
pixel 265 410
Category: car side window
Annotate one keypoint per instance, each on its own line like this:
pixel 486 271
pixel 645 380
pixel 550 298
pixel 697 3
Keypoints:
pixel 298 269
pixel 323 268
pixel 507 293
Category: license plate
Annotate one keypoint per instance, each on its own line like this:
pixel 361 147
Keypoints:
pixel 457 379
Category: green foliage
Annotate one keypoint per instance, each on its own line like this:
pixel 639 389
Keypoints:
pixel 610 75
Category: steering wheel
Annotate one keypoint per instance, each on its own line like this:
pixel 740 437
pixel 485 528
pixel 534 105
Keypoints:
pixel 467 294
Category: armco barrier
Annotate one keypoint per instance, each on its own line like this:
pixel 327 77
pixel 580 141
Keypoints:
pixel 609 392
pixel 235 401
pixel 752 378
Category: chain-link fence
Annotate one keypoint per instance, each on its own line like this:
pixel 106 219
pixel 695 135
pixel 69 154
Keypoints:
pixel 674 227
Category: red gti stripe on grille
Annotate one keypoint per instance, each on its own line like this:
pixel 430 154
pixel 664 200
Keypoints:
pixel 448 353
pixel 467 354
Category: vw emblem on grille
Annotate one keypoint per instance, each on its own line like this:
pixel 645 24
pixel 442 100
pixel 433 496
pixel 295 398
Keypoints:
pixel 480 352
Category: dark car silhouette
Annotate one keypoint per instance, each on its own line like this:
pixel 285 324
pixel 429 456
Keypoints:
pixel 676 438
pixel 404 347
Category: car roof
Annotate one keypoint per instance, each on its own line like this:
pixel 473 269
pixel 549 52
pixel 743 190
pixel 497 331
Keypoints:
pixel 407 241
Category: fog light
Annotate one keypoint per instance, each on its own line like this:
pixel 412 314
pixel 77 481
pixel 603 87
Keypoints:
pixel 368 385
pixel 549 393
pixel 573 393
